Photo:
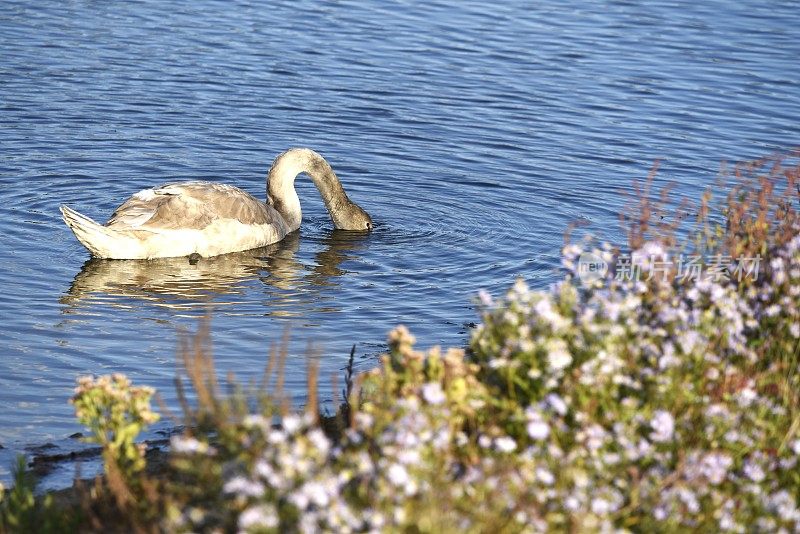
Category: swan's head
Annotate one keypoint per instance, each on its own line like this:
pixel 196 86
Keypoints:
pixel 346 214
pixel 351 217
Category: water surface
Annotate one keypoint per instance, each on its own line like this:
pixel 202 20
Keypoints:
pixel 472 134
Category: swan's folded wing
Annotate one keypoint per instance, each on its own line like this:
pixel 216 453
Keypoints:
pixel 190 205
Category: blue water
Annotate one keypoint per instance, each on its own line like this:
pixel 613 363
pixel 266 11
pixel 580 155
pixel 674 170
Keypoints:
pixel 473 135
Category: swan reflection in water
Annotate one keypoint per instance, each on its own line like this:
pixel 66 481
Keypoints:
pixel 274 272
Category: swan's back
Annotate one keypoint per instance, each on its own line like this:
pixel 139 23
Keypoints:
pixel 181 219
pixel 191 206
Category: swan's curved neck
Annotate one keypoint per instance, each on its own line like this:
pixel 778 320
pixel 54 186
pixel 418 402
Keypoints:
pixel 283 196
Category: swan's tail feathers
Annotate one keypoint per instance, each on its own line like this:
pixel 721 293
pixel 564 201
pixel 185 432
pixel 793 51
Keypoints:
pixel 102 242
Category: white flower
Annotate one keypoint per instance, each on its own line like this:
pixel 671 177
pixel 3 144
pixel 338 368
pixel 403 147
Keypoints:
pixel 243 487
pixel 558 357
pixel 727 523
pixel 746 397
pixel 316 493
pixel 794 329
pixel 717 410
pixel 717 293
pixel 668 358
pixel 261 516
pixel 580 479
pixel 644 448
pixel 753 471
pixel 363 420
pixel 505 444
pixel 486 298
pixel 544 310
pixel 663 426
pixel 499 363
pixel 537 427
pixel 714 466
pixel 651 248
pixel 600 506
pixel 263 469
pixel 783 503
pixel 255 420
pixel 319 440
pixel 187 445
pixel 612 310
pixel 688 340
pixel 689 500
pixel 408 456
pixel 398 475
pixel 441 439
pixel 433 394
pixel 660 513
pixel 399 515
pixel 556 403
pixel 276 436
pixel 796 446
pixel 572 503
pixel 291 423
pixel 299 499
pixel 309 523
pixel 595 437
pixel 520 287
pixel 544 476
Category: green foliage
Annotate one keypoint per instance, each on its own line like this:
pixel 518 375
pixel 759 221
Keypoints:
pixel 18 505
pixel 115 413
pixel 22 511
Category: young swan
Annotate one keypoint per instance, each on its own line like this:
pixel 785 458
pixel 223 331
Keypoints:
pixel 208 219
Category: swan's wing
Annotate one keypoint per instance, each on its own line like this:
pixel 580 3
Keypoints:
pixel 190 205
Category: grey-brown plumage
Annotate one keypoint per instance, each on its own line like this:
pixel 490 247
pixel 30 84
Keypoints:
pixel 206 218
pixel 192 205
